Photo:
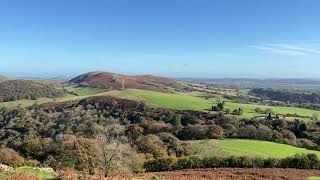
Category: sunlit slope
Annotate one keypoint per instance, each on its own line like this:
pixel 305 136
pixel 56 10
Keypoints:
pixel 186 101
pixel 240 147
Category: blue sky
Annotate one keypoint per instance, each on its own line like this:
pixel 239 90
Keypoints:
pixel 179 38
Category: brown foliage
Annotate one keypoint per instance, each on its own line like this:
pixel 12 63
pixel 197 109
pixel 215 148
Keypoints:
pixel 22 176
pixel 10 157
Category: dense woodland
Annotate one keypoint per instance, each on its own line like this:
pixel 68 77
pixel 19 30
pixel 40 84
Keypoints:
pixel 111 134
pixel 12 90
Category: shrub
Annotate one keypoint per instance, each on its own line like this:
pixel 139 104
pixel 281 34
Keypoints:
pixel 288 137
pixel 215 132
pixel 152 144
pixel 174 145
pixel 259 110
pixel 301 161
pixel 264 133
pixel 162 164
pixel 306 143
pixel 249 131
pixel 10 157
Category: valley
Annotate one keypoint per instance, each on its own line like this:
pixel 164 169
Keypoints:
pixel 155 121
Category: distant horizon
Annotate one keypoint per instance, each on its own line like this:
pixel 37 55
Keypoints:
pixel 49 75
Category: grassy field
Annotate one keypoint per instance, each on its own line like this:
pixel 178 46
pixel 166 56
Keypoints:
pixel 182 101
pixel 240 147
pixel 172 101
pixel 249 109
pixel 187 101
pixel 41 173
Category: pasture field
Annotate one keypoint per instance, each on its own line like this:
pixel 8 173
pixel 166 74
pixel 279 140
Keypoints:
pixel 241 147
pixel 189 102
pixel 171 101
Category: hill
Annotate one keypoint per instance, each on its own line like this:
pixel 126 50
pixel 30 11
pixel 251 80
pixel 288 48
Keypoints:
pixel 13 90
pixel 119 81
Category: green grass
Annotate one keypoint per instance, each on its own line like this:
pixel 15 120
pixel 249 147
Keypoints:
pixel 314 178
pixel 189 102
pixel 240 147
pixel 172 101
pixel 249 109
pixel 42 173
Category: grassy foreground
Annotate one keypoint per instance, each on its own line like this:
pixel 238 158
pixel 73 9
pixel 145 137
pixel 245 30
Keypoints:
pixel 241 147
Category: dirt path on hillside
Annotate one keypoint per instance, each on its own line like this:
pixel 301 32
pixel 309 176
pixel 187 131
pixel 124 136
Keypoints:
pixel 232 173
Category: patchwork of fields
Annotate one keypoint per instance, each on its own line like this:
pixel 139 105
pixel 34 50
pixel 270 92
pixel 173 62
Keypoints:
pixel 186 101
pixel 181 101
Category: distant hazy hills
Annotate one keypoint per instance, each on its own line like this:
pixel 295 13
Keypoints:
pixel 267 83
pixel 119 81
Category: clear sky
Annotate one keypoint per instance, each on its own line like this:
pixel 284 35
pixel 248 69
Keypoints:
pixel 179 38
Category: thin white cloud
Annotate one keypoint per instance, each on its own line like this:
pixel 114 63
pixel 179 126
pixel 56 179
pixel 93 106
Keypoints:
pixel 279 51
pixel 287 49
pixel 296 48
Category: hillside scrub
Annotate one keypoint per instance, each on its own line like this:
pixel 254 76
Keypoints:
pixel 12 90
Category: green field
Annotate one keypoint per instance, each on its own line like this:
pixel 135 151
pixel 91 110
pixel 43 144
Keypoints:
pixel 172 101
pixel 186 101
pixel 249 109
pixel 181 101
pixel 240 147
pixel 41 173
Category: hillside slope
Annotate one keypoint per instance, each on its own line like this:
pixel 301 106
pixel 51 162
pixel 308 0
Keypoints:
pixel 118 81
pixel 13 90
